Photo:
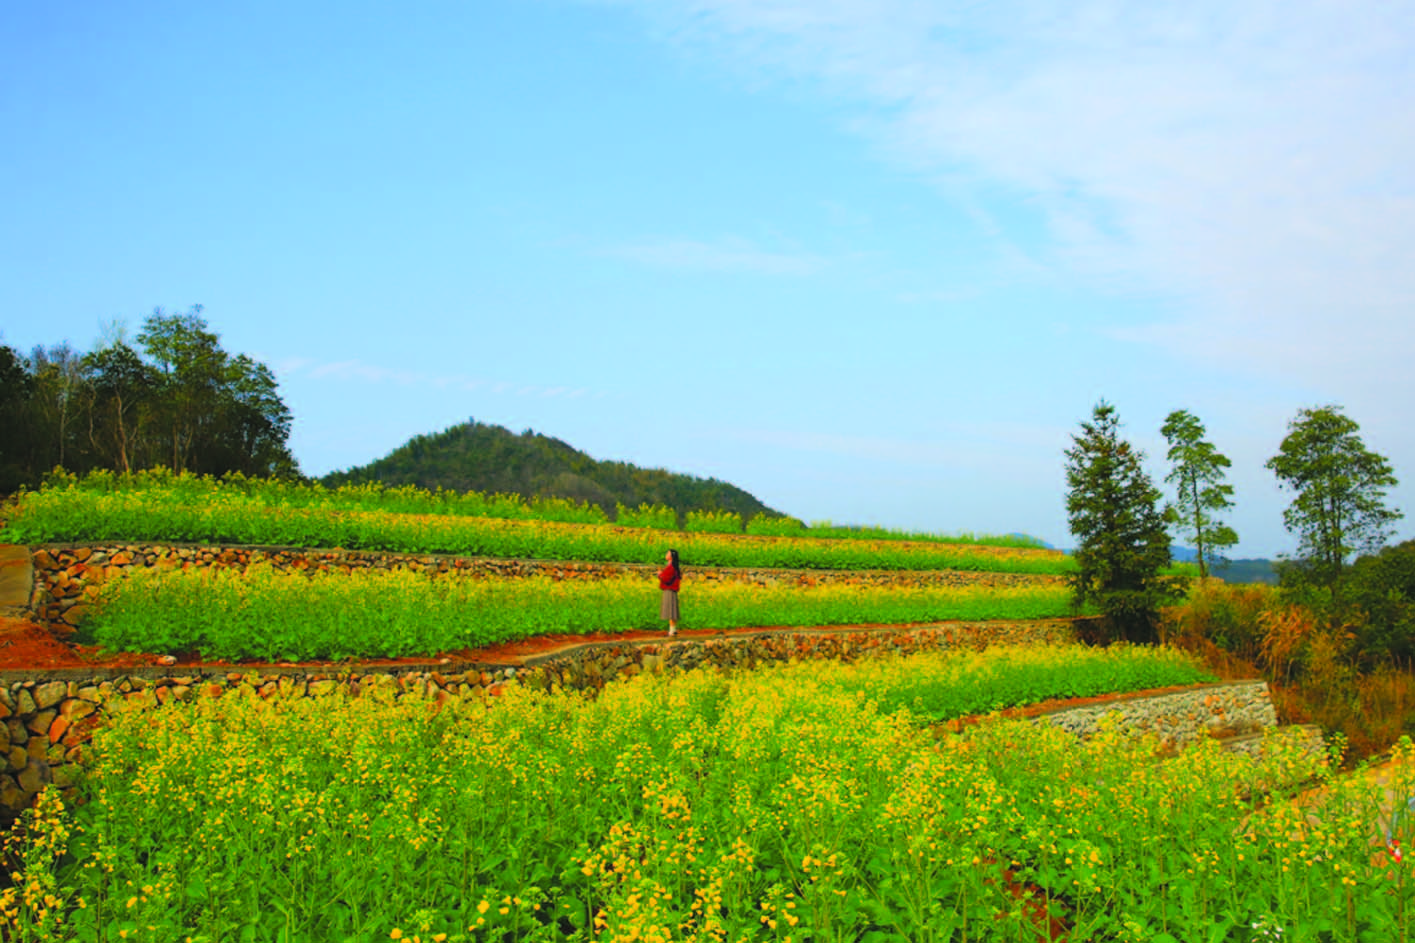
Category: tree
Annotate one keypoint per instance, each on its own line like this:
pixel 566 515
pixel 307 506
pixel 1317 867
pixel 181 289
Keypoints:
pixel 58 374
pixel 16 391
pixel 1122 544
pixel 191 372
pixel 1196 471
pixel 1381 591
pixel 122 389
pixel 1340 488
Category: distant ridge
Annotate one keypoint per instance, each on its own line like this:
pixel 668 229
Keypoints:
pixel 475 456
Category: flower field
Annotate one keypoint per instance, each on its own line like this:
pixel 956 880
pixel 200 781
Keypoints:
pixel 267 615
pixel 785 804
pixel 51 517
pixel 64 499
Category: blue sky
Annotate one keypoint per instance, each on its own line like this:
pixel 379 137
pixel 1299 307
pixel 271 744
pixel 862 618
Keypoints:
pixel 872 261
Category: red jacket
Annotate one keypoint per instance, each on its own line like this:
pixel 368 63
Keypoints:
pixel 667 579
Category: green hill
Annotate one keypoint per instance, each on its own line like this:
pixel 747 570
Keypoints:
pixel 475 456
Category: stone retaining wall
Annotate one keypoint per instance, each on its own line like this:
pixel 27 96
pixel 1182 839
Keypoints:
pixel 67 576
pixel 48 717
pixel 1219 710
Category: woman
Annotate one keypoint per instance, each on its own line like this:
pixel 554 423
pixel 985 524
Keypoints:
pixel 669 579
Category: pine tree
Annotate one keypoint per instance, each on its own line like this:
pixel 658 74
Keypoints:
pixel 1113 510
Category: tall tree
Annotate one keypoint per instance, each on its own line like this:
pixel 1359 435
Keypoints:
pixel 1113 510
pixel 122 388
pixel 191 372
pixel 1197 473
pixel 1340 488
pixel 16 391
pixel 59 384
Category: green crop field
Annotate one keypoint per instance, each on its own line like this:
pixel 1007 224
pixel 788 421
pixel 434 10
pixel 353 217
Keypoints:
pixel 271 616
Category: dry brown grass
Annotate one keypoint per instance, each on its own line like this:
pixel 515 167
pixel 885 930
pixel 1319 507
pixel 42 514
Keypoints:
pixel 1248 631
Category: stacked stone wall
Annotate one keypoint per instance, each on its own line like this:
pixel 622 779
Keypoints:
pixel 1178 718
pixel 67 576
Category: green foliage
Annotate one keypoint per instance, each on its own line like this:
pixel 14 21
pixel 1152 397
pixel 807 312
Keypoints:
pixel 475 456
pixel 1122 544
pixel 1197 473
pixel 177 400
pixel 765 525
pixel 964 683
pixel 264 615
pixel 713 522
pixel 1340 488
pixel 159 506
pixel 654 516
pixel 863 532
pixel 1378 605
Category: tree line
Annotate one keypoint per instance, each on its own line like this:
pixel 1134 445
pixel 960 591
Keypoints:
pixel 1338 510
pixel 176 398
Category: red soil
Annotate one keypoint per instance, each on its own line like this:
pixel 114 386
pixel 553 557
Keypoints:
pixel 23 644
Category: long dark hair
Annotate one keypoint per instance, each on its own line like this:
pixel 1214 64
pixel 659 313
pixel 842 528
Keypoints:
pixel 673 562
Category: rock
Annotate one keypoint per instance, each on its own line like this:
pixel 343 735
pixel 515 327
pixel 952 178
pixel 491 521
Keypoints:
pixel 211 690
pixel 35 777
pixel 181 692
pixel 322 688
pixel 18 733
pixel 37 748
pixel 24 703
pixel 47 695
pixel 167 660
pixel 39 723
pixel 17 757
pixel 76 708
pixel 11 795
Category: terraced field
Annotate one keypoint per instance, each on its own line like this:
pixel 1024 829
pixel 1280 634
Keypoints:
pixel 808 801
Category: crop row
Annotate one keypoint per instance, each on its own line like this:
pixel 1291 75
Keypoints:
pixel 271 616
pixel 81 515
pixel 162 487
pixel 771 806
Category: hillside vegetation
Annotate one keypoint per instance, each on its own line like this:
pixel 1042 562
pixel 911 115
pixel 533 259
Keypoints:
pixel 475 456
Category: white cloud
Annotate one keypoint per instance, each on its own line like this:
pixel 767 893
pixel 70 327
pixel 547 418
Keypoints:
pixel 728 255
pixel 1249 162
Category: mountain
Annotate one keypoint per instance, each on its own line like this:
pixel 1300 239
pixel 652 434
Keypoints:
pixel 475 456
pixel 1246 571
pixel 1232 571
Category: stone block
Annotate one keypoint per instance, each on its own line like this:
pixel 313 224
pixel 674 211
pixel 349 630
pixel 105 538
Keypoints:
pixel 76 708
pixel 24 702
pixel 34 777
pixel 39 722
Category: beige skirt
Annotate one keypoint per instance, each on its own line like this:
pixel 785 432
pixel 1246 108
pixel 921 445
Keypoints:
pixel 668 609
